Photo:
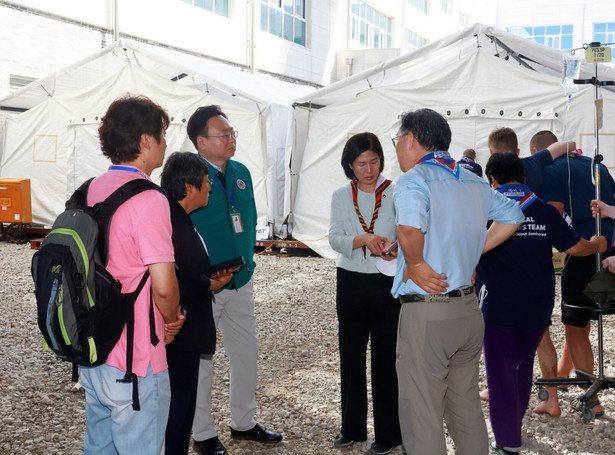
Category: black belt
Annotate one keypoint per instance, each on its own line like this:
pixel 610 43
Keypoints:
pixel 406 298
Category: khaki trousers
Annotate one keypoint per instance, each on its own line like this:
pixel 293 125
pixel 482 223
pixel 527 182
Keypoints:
pixel 438 351
pixel 234 316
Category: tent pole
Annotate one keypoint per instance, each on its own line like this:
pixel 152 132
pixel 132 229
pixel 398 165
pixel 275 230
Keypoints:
pixel 115 20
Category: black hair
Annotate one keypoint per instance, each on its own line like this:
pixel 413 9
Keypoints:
pixel 429 128
pixel 180 169
pixel 197 125
pixel 505 168
pixel 358 144
pixel 125 121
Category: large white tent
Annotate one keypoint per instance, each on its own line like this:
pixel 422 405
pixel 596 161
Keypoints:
pixel 54 143
pixel 480 78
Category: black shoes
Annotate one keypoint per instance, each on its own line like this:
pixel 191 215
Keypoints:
pixel 380 449
pixel 211 446
pixel 258 434
pixel 342 441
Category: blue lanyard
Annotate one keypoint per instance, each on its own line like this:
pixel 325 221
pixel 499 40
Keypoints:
pixel 115 167
pixel 231 196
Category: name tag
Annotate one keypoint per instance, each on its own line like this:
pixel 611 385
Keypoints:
pixel 236 220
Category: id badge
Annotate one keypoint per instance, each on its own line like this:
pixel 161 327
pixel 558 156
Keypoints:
pixel 236 220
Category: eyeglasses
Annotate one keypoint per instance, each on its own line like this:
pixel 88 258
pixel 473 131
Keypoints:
pixel 232 135
pixel 396 139
pixel 210 182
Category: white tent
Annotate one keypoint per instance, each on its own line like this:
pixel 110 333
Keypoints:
pixel 55 144
pixel 479 79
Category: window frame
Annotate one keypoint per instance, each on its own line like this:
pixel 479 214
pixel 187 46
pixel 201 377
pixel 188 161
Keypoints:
pixel 366 26
pixel 214 6
pixel 293 24
pixel 554 36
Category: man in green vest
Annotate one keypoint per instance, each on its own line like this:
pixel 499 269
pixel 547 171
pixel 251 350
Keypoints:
pixel 228 227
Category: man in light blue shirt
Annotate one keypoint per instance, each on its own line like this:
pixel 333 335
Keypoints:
pixel 441 326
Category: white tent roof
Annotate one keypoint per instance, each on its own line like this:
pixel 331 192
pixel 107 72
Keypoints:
pixel 55 144
pixel 423 62
pixel 69 103
pixel 219 79
pixel 466 78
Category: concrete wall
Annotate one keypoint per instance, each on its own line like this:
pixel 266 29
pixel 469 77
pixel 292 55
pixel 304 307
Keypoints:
pixel 33 46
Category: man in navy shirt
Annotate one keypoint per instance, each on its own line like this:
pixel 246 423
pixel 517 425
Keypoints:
pixel 547 355
pixel 517 282
pixel 469 162
pixel 568 186
pixel 502 140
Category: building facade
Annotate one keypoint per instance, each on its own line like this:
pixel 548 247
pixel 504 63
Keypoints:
pixel 565 24
pixel 309 41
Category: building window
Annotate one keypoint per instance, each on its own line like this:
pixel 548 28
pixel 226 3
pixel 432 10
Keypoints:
pixel 447 6
pixel 284 18
pixel 421 5
pixel 216 6
pixel 556 36
pixel 604 32
pixel 368 26
pixel 414 41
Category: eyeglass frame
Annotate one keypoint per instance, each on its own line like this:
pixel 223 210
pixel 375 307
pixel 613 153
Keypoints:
pixel 395 140
pixel 229 136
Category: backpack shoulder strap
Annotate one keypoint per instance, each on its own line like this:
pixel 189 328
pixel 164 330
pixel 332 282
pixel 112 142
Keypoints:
pixel 78 200
pixel 128 190
pixel 103 212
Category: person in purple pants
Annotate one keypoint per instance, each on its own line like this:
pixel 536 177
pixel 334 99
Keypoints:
pixel 517 289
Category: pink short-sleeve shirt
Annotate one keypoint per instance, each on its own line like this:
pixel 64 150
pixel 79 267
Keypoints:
pixel 139 235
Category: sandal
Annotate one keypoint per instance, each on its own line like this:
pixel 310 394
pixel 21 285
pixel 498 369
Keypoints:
pixel 593 404
pixel 576 404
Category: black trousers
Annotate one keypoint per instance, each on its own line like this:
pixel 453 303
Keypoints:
pixel 183 376
pixel 366 309
pixel 578 271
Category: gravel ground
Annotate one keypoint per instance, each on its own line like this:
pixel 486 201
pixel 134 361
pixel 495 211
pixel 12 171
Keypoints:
pixel 41 412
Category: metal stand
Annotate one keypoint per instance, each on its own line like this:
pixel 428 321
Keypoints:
pixel 583 378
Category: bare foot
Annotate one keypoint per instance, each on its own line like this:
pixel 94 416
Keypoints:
pixel 551 406
pixel 484 395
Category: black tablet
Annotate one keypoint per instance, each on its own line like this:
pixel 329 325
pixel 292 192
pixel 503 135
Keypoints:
pixel 233 265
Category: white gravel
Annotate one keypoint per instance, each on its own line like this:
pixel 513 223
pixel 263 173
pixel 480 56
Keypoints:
pixel 41 412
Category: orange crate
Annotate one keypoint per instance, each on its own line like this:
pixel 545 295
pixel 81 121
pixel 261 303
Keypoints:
pixel 15 202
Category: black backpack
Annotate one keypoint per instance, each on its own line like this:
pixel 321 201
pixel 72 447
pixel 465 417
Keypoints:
pixel 81 308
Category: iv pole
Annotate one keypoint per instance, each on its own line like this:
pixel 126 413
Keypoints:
pixel 596 160
pixel 594 52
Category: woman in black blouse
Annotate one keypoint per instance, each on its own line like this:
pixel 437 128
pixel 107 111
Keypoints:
pixel 185 179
